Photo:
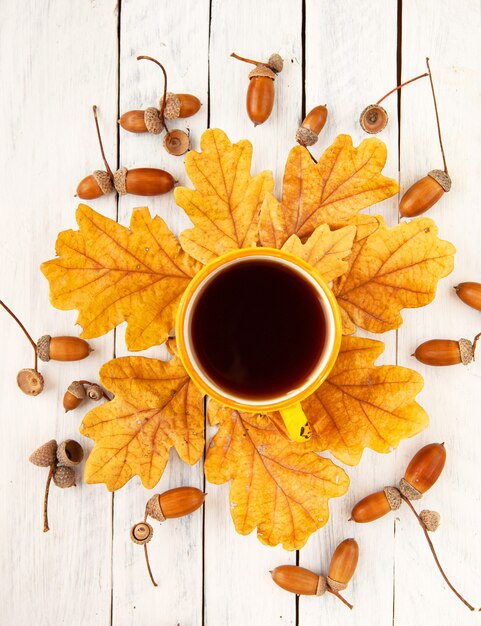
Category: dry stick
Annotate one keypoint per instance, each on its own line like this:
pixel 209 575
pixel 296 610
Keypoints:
pixel 437 116
pixel 239 58
pixel 45 499
pixel 435 556
pixel 146 553
pixel 341 598
pixel 402 85
pixel 164 98
pixel 27 334
pixel 475 341
pixel 107 166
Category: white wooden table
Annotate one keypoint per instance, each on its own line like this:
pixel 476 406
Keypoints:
pixel 58 58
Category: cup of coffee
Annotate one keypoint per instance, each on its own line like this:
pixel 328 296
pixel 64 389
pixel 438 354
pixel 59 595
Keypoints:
pixel 259 330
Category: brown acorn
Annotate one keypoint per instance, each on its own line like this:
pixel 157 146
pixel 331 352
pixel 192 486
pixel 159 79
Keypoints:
pixel 141 533
pixel 470 294
pixel 30 381
pixel 261 93
pixel 424 193
pixel 376 505
pixel 175 503
pixel 64 477
pixel 70 453
pixel 46 455
pixel 442 352
pixel 343 564
pixel 62 348
pixel 74 396
pixel 308 132
pixel 423 471
pixel 299 580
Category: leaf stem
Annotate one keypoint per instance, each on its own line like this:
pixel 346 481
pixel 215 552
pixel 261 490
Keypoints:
pixel 435 556
pixel 107 166
pixel 341 598
pixel 239 58
pixel 27 334
pixel 164 97
pixel 437 116
pixel 45 499
pixel 411 80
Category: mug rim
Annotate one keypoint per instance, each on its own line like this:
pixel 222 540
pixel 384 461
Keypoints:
pixel 200 278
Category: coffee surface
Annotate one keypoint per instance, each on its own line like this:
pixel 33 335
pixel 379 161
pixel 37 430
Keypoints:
pixel 258 329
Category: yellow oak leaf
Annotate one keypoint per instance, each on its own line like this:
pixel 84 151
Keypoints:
pixel 391 269
pixel 111 273
pixel 225 204
pixel 344 181
pixel 156 407
pixel 278 486
pixel 361 405
pixel 325 250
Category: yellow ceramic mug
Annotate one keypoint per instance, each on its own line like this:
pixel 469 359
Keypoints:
pixel 289 404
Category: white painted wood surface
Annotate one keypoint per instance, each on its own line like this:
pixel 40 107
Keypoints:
pixel 59 58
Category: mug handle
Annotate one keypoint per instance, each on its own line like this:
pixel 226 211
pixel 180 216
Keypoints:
pixel 296 422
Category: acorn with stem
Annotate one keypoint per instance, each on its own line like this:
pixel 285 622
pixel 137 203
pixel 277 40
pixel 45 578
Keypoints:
pixel 141 181
pixel 30 380
pixel 443 352
pixel 80 390
pixel 374 117
pixel 261 92
pixel 428 190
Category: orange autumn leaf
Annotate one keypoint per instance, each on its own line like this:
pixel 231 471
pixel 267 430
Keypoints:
pixel 391 269
pixel 344 181
pixel 111 273
pixel 224 206
pixel 278 486
pixel 156 407
pixel 361 405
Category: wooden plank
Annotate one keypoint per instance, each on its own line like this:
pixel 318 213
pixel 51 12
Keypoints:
pixel 238 587
pixel 450 35
pixel 56 60
pixel 177 35
pixel 350 63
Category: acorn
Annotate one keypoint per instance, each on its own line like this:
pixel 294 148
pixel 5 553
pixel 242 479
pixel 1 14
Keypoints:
pixel 343 564
pixel 299 580
pixel 428 190
pixel 30 381
pixel 376 505
pixel 70 453
pixel 64 477
pixel 308 132
pixel 423 471
pixel 442 352
pixel 430 519
pixel 174 503
pixel 62 348
pixel 74 396
pixel 95 392
pixel 177 142
pixel 260 94
pixel 46 455
pixel 470 294
pixel 141 533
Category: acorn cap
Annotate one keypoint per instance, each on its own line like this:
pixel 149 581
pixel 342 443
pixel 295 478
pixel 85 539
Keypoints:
pixel 30 381
pixel 104 181
pixel 373 119
pixel 141 533
pixel 46 455
pixel 408 491
pixel 275 62
pixel 335 585
pixel 70 453
pixel 43 348
pixel 466 350
pixel 120 180
pixel 154 509
pixel 176 142
pixel 306 136
pixel 321 586
pixel 262 70
pixel 152 120
pixel 393 497
pixel 64 477
pixel 442 178
pixel 430 519
pixel 95 392
pixel 172 106
pixel 77 390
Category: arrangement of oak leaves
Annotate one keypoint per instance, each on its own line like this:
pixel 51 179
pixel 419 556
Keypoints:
pixel 112 274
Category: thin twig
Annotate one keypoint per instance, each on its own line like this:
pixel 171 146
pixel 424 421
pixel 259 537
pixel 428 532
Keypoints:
pixel 107 166
pixel 475 341
pixel 437 116
pixel 341 598
pixel 312 156
pixel 45 499
pixel 148 566
pixel 239 58
pixel 435 556
pixel 27 334
pixel 164 98
pixel 411 80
